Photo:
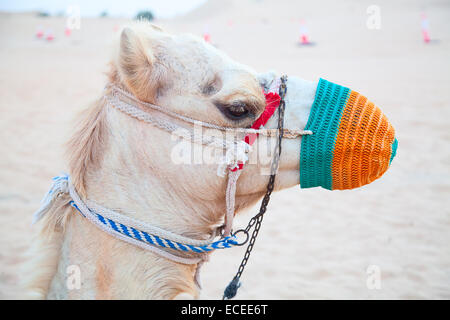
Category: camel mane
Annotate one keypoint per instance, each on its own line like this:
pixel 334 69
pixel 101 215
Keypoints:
pixel 87 145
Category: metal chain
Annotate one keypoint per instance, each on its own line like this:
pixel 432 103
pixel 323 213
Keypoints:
pixel 256 221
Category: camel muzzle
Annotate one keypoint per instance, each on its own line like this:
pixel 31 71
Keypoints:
pixel 352 144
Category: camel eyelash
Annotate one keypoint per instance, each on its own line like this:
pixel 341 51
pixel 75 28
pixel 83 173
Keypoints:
pixel 235 111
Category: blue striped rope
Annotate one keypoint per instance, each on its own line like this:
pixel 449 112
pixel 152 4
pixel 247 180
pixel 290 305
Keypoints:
pixel 145 237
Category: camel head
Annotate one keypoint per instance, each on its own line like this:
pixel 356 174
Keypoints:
pixel 191 77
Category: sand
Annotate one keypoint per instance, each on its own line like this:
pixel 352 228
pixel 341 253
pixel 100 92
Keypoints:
pixel 314 244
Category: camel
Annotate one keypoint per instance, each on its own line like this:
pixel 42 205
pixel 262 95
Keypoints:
pixel 127 165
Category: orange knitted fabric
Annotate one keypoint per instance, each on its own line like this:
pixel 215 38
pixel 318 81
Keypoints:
pixel 363 144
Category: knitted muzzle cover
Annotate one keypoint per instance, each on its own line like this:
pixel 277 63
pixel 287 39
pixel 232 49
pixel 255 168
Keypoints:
pixel 352 143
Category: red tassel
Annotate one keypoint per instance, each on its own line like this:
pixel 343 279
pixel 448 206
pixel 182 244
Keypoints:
pixel 272 102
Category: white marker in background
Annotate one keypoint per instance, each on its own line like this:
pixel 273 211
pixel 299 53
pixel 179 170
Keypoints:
pixel 73 281
pixel 73 18
pixel 373 281
pixel 374 19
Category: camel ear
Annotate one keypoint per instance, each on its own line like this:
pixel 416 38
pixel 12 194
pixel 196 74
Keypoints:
pixel 136 64
pixel 266 79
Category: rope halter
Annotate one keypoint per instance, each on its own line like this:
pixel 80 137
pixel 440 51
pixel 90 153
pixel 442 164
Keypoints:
pixel 152 238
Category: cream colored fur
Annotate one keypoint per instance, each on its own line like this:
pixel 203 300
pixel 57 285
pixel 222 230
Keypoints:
pixel 125 165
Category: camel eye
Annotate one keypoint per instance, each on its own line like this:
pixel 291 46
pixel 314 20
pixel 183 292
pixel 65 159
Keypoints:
pixel 237 111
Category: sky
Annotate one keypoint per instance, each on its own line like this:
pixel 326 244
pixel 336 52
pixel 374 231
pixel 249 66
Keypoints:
pixel 91 8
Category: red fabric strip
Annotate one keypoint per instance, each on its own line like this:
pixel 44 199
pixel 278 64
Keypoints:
pixel 272 103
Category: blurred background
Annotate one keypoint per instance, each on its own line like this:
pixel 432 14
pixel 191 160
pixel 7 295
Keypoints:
pixel 387 240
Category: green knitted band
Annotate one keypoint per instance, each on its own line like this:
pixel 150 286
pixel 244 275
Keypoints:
pixel 317 150
pixel 394 150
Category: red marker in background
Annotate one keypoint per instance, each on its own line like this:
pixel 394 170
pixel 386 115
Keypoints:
pixel 303 33
pixel 206 34
pixel 68 32
pixel 425 29
pixel 39 33
pixel 50 36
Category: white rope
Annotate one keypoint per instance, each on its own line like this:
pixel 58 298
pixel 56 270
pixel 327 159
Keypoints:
pixel 136 112
pixel 59 186
pixel 139 114
pixel 116 91
pixel 62 185
pixel 230 196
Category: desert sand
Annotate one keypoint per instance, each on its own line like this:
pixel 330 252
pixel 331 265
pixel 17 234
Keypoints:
pixel 314 244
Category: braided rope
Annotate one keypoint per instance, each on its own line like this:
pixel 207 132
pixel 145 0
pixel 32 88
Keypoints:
pixel 158 240
pixel 132 231
pixel 141 115
pixel 129 222
pixel 230 199
pixel 136 112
